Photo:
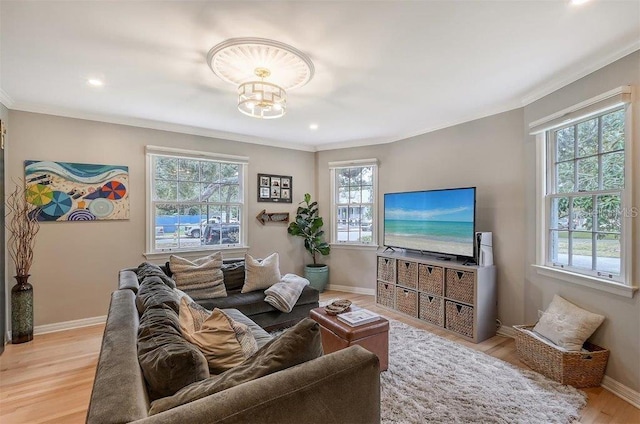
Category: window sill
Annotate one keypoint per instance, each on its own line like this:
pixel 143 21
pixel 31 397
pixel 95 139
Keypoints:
pixel 227 252
pixel 354 246
pixel 587 281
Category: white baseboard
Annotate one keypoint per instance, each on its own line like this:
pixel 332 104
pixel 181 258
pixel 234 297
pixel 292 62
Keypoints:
pixel 507 331
pixel 68 325
pixel 351 289
pixel 622 391
pixel 61 326
pixel 615 387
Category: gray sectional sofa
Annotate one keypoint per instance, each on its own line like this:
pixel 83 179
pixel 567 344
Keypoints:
pixel 341 387
pixel 252 304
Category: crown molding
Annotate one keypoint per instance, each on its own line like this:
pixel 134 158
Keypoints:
pixel 5 99
pixel 158 125
pixel 565 78
pixel 506 107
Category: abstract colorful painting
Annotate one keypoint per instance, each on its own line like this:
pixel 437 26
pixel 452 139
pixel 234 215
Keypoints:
pixel 77 191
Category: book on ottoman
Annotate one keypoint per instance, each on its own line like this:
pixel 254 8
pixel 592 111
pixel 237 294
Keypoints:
pixel 358 317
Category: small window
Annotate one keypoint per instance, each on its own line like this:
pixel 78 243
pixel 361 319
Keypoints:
pixel 196 203
pixel 586 195
pixel 354 201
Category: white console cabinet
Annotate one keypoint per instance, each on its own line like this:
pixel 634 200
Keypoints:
pixel 448 294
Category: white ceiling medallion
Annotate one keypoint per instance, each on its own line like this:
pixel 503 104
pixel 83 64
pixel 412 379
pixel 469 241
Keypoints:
pixel 262 70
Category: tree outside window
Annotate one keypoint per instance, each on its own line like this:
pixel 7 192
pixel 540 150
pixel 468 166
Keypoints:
pixel 196 203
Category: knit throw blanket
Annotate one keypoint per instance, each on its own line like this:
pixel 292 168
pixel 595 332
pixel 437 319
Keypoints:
pixel 284 295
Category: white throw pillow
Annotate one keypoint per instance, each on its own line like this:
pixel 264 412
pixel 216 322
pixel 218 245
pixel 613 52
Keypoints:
pixel 566 324
pixel 260 275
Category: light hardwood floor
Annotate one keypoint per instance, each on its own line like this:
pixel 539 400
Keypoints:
pixel 49 379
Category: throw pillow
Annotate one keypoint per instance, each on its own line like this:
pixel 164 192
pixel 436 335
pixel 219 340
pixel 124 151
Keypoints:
pixel 284 295
pixel 300 343
pixel 219 338
pixel 566 324
pixel 260 275
pixel 167 360
pixel 201 278
pixel 192 315
pixel 153 292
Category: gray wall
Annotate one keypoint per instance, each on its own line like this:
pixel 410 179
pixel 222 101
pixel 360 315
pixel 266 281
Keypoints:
pixel 621 330
pixel 76 264
pixel 487 153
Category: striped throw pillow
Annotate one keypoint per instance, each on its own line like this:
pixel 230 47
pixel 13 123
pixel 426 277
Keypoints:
pixel 201 278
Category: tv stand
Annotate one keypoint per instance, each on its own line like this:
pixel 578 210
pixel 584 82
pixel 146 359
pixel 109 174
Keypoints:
pixel 445 292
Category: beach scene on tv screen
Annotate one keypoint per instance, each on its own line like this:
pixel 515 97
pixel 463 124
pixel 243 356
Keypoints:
pixel 435 221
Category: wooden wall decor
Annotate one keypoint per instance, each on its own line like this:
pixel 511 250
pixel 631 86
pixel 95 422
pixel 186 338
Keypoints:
pixel 265 217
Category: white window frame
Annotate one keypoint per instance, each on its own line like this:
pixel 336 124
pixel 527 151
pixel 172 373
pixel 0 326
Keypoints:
pixel 622 286
pixel 358 163
pixel 163 254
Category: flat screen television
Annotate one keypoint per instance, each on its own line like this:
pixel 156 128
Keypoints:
pixel 435 221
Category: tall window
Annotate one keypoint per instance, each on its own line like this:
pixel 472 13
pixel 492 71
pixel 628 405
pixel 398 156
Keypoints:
pixel 354 201
pixel 196 202
pixel 585 195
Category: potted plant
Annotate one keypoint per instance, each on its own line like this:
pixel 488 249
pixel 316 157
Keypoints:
pixel 23 226
pixel 308 225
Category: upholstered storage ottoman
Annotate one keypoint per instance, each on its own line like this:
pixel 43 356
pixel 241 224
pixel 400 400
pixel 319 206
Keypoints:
pixel 336 335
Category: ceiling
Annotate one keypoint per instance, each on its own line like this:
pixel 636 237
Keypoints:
pixel 384 70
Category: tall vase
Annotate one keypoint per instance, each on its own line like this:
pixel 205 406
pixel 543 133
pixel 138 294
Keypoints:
pixel 21 310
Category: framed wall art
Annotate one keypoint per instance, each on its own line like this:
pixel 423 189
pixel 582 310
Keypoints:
pixel 275 188
pixel 65 191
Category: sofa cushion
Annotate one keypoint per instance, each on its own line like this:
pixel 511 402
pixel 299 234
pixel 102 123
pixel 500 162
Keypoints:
pixel 233 275
pixel 259 275
pixel 147 269
pixel 201 278
pixel 167 360
pixel 294 346
pixel 128 280
pixel 223 342
pixel 253 303
pixel 259 334
pixel 154 292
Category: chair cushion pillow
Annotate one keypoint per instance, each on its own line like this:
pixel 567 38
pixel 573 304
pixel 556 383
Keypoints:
pixel 167 360
pixel 233 275
pixel 300 343
pixel 260 275
pixel 154 292
pixel 566 324
pixel 223 342
pixel 147 269
pixel 201 278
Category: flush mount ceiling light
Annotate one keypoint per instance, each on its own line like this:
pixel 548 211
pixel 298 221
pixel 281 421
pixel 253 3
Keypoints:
pixel 263 70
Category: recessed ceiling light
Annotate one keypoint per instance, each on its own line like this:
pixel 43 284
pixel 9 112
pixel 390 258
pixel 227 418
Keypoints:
pixel 313 126
pixel 578 2
pixel 95 82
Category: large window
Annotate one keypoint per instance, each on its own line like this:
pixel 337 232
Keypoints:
pixel 196 202
pixel 354 201
pixel 584 210
pixel 586 175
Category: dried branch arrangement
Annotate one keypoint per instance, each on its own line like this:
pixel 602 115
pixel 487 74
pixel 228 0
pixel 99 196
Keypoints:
pixel 23 226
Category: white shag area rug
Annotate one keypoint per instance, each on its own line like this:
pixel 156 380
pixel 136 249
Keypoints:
pixel 434 380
